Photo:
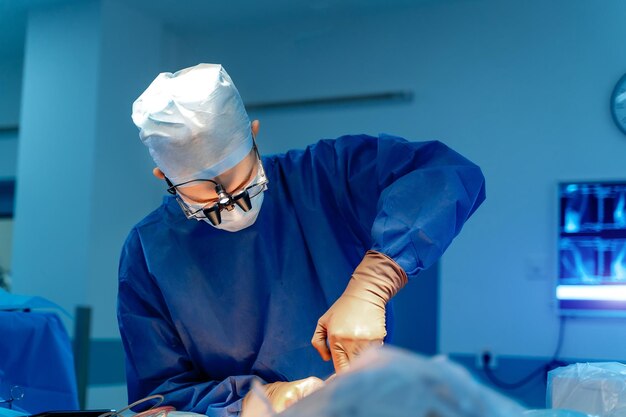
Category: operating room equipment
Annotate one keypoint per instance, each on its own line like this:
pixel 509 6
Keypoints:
pixel 592 248
pixel 36 349
pixel 153 410
pixel 16 302
pixel 156 410
pixel 595 388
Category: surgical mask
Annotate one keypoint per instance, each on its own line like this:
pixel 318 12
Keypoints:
pixel 237 219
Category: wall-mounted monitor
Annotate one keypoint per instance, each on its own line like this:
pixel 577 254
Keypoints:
pixel 592 249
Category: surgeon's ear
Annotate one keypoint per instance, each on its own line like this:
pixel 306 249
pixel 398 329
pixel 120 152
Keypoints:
pixel 255 128
pixel 158 173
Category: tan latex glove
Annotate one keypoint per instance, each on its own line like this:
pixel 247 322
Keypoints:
pixel 280 395
pixel 356 320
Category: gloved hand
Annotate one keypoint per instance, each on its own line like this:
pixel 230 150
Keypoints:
pixel 357 319
pixel 280 395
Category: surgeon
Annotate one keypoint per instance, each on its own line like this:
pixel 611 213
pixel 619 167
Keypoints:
pixel 276 269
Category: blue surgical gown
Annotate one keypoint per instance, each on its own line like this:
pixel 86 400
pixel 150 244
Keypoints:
pixel 203 312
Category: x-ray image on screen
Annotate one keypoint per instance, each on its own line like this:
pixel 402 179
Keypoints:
pixel 592 248
pixel 593 207
pixel 592 261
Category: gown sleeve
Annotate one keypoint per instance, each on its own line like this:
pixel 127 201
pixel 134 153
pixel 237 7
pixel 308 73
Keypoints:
pixel 407 200
pixel 156 359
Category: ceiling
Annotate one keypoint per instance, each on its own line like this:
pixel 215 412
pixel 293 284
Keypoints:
pixel 204 15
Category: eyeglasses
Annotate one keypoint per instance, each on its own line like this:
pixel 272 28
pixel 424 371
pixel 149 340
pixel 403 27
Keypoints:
pixel 225 200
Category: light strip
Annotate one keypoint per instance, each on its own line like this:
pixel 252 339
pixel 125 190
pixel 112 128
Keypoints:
pixel 367 98
pixel 591 292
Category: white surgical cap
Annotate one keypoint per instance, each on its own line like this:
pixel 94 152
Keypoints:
pixel 193 122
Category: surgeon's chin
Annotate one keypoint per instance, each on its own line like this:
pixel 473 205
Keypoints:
pixel 238 225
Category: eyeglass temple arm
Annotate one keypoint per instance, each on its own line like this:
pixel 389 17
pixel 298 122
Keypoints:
pixel 171 188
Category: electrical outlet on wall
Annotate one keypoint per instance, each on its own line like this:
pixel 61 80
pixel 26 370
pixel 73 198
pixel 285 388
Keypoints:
pixel 486 358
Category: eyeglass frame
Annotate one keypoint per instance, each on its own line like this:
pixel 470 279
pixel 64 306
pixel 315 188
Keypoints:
pixel 213 212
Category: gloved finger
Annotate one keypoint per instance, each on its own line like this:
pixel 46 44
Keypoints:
pixel 256 403
pixel 309 385
pixel 319 342
pixel 363 345
pixel 357 347
pixel 298 390
pixel 281 394
pixel 339 355
pixel 353 349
